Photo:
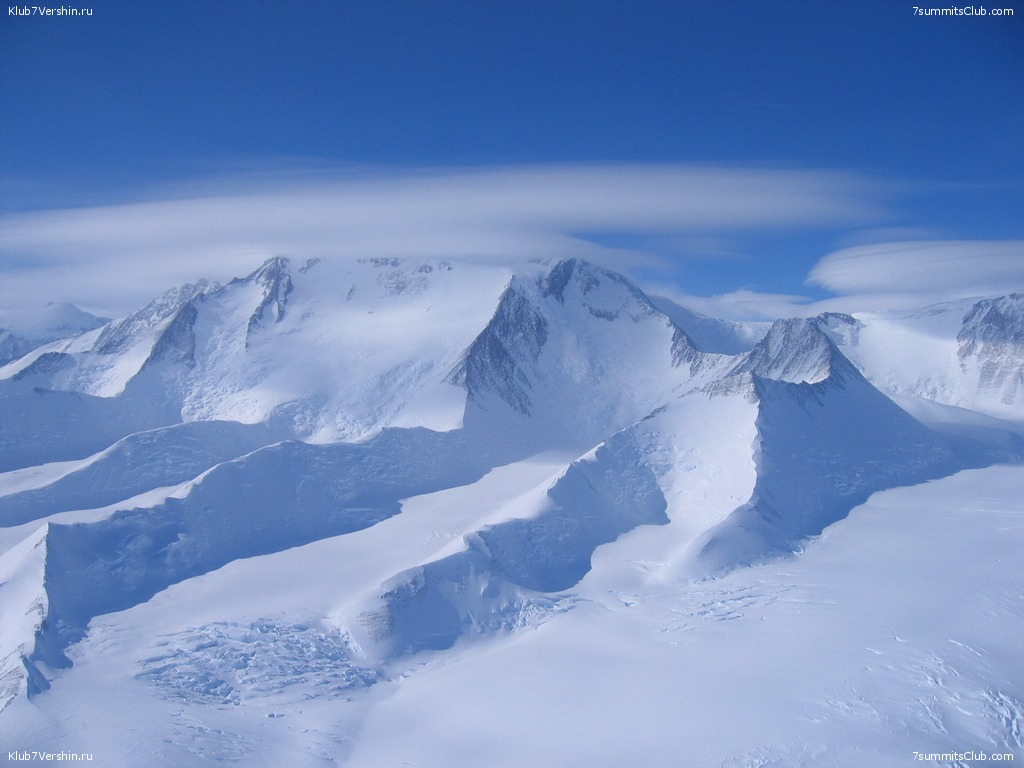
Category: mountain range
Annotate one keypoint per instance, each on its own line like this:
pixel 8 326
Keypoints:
pixel 310 515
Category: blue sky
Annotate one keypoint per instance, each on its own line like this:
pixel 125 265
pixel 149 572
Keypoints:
pixel 908 127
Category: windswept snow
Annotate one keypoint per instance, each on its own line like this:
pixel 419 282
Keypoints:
pixel 895 633
pixel 23 604
pixel 710 334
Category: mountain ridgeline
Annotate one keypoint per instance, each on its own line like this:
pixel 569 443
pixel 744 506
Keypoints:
pixel 310 401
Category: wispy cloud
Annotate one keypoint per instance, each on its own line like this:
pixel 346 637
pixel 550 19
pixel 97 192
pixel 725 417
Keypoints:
pixel 882 276
pixel 745 305
pixel 931 270
pixel 114 257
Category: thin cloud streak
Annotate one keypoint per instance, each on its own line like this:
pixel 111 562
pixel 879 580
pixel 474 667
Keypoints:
pixel 934 268
pixel 747 306
pixel 883 277
pixel 115 257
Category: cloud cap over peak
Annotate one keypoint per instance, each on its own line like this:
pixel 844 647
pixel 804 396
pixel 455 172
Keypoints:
pixel 223 229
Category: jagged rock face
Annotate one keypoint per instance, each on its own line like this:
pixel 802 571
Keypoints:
pixel 11 347
pixel 794 350
pixel 992 334
pixel 580 352
pixel 516 333
pixel 121 335
pixel 276 282
pixel 177 344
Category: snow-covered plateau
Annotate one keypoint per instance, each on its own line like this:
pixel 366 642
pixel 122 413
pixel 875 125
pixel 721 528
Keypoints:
pixel 398 512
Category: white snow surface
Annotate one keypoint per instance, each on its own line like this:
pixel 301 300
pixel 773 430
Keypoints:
pixel 895 632
pixel 967 354
pixel 335 351
pixel 429 513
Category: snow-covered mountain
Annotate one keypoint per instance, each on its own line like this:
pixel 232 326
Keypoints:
pixel 965 354
pixel 23 331
pixel 254 514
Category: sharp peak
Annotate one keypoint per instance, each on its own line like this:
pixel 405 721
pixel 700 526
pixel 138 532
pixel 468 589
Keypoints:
pixel 575 265
pixel 814 325
pixel 270 270
pixel 796 350
pixel 589 275
pixel 791 330
pixel 274 262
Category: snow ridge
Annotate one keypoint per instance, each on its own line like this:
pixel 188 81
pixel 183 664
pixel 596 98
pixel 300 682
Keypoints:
pixel 505 576
pixel 149 322
pixel 827 439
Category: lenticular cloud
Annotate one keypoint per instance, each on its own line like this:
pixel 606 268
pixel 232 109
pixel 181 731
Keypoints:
pixel 956 268
pixel 497 214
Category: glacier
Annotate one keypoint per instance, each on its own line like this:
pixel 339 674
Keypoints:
pixel 399 510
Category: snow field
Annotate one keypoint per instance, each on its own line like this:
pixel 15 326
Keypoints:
pixel 896 631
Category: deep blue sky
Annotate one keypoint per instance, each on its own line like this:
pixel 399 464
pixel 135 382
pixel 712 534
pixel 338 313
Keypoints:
pixel 144 92
pixel 147 88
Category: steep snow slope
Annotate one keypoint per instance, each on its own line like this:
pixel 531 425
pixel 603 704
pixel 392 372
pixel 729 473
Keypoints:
pixel 826 440
pixel 673 468
pixel 277 497
pixel 135 464
pixel 24 603
pixel 710 334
